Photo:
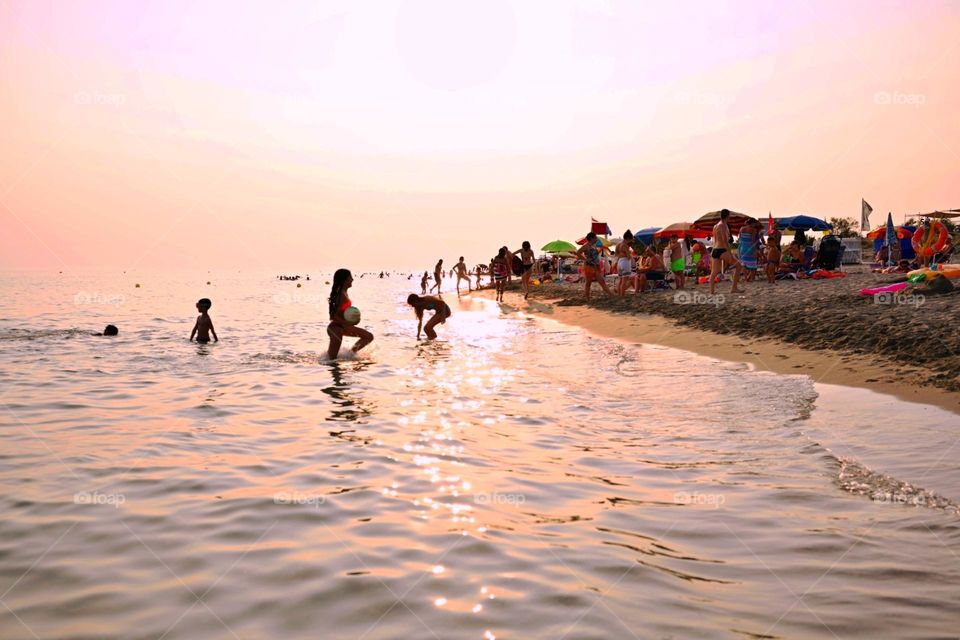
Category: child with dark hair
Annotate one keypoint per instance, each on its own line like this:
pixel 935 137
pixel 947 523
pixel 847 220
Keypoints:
pixel 441 311
pixel 204 325
pixel 339 327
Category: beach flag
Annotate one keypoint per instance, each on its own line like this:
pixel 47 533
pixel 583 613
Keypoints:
pixel 865 211
pixel 769 223
pixel 600 228
pixel 891 238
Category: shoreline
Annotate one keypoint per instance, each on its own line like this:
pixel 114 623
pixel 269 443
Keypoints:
pixel 632 323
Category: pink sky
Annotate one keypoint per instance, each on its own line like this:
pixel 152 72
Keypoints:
pixel 297 136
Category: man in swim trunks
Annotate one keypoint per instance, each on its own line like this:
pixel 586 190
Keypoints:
pixel 721 256
pixel 591 265
pixel 650 269
pixel 624 256
pixel 677 261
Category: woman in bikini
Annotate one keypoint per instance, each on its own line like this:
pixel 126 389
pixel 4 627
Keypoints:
pixel 591 265
pixel 441 311
pixel 526 256
pixel 339 327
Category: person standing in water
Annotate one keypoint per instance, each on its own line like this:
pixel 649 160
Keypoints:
pixel 423 283
pixel 339 327
pixel 526 257
pixel 441 311
pixel 499 268
pixel 437 275
pixel 720 256
pixel 460 269
pixel 204 325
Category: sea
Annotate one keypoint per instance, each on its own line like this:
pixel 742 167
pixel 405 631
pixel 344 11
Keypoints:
pixel 515 478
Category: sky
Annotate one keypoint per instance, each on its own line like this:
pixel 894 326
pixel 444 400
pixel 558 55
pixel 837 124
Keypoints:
pixel 386 134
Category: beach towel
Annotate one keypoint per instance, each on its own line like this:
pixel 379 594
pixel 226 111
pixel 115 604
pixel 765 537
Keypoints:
pixel 748 249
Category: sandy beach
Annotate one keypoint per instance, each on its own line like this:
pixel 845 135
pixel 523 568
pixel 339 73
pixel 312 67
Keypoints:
pixel 821 328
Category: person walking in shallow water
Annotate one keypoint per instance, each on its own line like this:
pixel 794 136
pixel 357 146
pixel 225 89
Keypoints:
pixel 339 327
pixel 437 275
pixel 204 325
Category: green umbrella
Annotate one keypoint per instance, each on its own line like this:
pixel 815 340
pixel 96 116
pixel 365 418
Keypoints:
pixel 559 246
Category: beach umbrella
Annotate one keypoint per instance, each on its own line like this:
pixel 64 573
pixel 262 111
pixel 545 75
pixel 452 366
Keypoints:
pixel 953 213
pixel 736 220
pixel 645 235
pixel 681 230
pixel 559 246
pixel 601 242
pixel 881 233
pixel 804 223
pixel 891 238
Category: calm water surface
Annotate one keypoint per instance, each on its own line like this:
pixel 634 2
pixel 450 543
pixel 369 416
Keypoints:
pixel 515 479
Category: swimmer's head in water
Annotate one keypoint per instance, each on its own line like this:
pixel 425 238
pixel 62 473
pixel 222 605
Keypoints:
pixel 111 330
pixel 204 304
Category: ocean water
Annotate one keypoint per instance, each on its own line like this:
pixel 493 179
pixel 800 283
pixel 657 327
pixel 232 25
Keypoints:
pixel 516 478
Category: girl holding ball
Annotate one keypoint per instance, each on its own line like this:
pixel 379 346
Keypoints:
pixel 342 326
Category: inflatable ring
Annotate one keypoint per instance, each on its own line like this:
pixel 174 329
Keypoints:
pixel 928 241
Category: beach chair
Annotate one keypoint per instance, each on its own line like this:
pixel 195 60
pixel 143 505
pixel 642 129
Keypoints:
pixel 829 255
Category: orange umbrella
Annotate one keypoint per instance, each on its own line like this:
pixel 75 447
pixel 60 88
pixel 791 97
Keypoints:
pixel 881 231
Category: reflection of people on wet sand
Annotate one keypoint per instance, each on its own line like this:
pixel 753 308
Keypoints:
pixel 440 308
pixel 339 327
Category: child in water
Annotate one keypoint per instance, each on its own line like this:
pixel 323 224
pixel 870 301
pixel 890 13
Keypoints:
pixel 440 308
pixel 204 326
pixel 339 327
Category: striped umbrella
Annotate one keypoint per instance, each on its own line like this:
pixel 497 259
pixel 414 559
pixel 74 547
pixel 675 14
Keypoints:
pixel 736 220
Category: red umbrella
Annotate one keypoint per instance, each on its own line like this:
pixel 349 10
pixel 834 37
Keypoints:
pixel 681 230
pixel 735 221
pixel 881 231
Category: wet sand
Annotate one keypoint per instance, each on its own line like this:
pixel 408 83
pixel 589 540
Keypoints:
pixel 821 328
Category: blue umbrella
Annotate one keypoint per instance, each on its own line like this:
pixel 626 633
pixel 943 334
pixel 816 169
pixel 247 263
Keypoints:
pixel 645 235
pixel 891 239
pixel 803 223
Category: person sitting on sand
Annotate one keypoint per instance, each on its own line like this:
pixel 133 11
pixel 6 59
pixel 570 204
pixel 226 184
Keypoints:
pixel 339 327
pixel 441 311
pixel 721 257
pixel 423 282
pixel 623 253
pixel 792 258
pixel 650 269
pixel 204 325
pixel 591 265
